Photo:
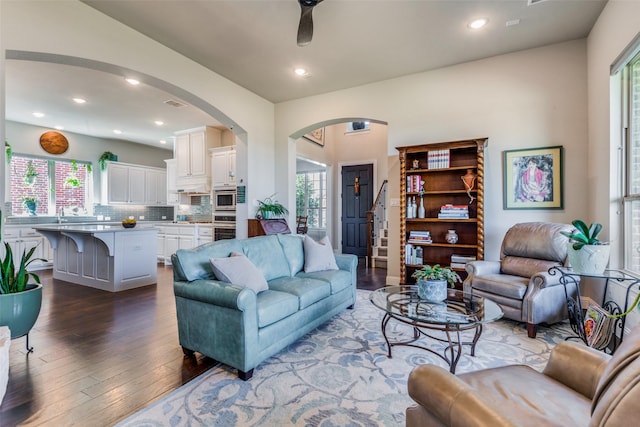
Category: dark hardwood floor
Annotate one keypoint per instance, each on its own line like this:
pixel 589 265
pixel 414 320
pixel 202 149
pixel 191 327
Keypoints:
pixel 100 357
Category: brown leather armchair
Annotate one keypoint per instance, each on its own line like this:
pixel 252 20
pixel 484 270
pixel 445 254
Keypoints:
pixel 520 282
pixel 579 386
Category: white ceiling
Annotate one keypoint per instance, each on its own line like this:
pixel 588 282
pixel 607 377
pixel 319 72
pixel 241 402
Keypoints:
pixel 253 43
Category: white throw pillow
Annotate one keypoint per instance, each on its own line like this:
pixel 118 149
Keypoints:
pixel 318 256
pixel 237 269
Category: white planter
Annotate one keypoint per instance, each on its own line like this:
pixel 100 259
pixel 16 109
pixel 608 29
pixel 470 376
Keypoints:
pixel 590 259
pixel 432 290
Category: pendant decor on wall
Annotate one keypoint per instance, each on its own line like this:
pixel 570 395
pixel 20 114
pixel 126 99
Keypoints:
pixel 54 142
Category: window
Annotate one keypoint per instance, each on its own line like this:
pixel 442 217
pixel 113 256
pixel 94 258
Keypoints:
pixel 631 125
pixel 311 198
pixel 357 126
pixel 42 186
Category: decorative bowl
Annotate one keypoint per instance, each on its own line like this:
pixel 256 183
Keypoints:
pixel 128 223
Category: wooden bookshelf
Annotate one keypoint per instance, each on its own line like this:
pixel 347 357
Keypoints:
pixel 443 185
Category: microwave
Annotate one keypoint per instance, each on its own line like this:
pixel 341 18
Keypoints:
pixel 224 200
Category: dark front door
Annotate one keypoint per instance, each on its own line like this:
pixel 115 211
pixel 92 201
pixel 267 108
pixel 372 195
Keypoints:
pixel 357 199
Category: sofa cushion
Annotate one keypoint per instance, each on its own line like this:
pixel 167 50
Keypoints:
pixel 195 263
pixel 318 256
pixel 238 270
pixel 266 253
pixel 293 250
pixel 274 306
pixel 338 279
pixel 502 284
pixel 306 289
pixel 541 401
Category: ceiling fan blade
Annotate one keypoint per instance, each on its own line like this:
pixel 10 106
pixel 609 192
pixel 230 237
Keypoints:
pixel 305 27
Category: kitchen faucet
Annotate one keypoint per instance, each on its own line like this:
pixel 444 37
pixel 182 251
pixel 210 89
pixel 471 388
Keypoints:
pixel 61 215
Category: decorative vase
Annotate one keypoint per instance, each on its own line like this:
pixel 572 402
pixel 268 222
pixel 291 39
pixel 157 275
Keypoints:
pixel 20 311
pixel 421 209
pixel 451 237
pixel 432 290
pixel 590 259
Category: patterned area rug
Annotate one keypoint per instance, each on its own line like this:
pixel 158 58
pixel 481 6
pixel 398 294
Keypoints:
pixel 338 375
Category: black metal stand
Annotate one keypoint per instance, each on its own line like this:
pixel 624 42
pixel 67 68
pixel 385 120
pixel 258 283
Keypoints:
pixel 574 305
pixel 29 349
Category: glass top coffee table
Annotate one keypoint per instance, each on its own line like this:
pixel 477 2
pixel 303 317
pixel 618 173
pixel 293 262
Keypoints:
pixel 459 312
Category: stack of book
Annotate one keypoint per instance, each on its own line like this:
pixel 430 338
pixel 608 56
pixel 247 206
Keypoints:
pixel 420 237
pixel 598 327
pixel 459 261
pixel 438 159
pixel 454 212
pixel 413 255
pixel 413 183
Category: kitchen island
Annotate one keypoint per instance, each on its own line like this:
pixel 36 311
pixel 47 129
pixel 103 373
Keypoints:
pixel 107 257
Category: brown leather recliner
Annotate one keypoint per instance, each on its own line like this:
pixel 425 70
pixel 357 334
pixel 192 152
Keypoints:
pixel 520 283
pixel 579 386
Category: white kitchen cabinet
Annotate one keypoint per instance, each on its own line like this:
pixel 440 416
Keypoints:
pixel 223 166
pixel 126 184
pixel 191 152
pixel 22 239
pixel 205 235
pixel 155 187
pixel 178 236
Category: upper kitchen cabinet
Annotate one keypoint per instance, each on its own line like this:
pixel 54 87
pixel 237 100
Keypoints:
pixel 191 153
pixel 223 166
pixel 126 184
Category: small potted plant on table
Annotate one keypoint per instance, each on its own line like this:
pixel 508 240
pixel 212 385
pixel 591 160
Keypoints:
pixel 587 254
pixel 270 208
pixel 433 282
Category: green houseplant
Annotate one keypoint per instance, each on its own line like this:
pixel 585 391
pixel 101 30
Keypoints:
pixel 587 254
pixel 20 301
pixel 106 156
pixel 31 203
pixel 270 208
pixel 72 179
pixel 31 174
pixel 433 281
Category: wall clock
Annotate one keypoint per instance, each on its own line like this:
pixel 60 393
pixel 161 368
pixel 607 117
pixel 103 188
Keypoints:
pixel 54 142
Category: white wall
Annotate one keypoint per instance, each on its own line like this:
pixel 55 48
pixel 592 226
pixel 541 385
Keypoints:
pixel 83 32
pixel 527 99
pixel 616 27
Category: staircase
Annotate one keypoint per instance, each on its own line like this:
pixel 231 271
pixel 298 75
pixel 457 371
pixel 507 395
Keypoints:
pixel 379 259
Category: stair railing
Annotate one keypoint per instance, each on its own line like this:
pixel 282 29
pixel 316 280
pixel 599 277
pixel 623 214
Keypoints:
pixel 376 216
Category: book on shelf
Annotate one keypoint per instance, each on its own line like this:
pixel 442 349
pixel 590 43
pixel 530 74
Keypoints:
pixel 413 183
pixel 598 327
pixel 462 259
pixel 438 159
pixel 413 255
pixel 450 211
pixel 458 265
pixel 420 237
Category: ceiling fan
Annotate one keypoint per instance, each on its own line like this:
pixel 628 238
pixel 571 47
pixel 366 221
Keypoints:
pixel 305 28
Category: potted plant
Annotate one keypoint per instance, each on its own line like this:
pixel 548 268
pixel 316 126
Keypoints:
pixel 587 254
pixel 433 281
pixel 20 301
pixel 31 174
pixel 8 152
pixel 270 208
pixel 72 179
pixel 31 203
pixel 106 156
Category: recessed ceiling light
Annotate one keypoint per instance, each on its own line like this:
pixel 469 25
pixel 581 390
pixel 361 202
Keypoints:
pixel 132 81
pixel 79 100
pixel 162 141
pixel 60 127
pixel 117 131
pixel 159 122
pixel 38 114
pixel 478 23
pixel 302 72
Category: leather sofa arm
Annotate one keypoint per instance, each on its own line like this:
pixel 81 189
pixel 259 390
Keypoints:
pixel 480 268
pixel 217 293
pixel 545 280
pixel 347 262
pixel 449 399
pixel 577 366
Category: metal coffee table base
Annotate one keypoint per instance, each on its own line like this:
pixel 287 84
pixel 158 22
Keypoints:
pixel 452 351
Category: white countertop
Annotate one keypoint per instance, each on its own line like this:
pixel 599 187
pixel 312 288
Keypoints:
pixel 92 228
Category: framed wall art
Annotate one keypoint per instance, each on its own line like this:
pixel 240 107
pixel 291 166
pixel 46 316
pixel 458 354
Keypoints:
pixel 533 178
pixel 316 136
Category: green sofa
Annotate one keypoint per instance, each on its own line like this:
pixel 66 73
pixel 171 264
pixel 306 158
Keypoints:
pixel 239 327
